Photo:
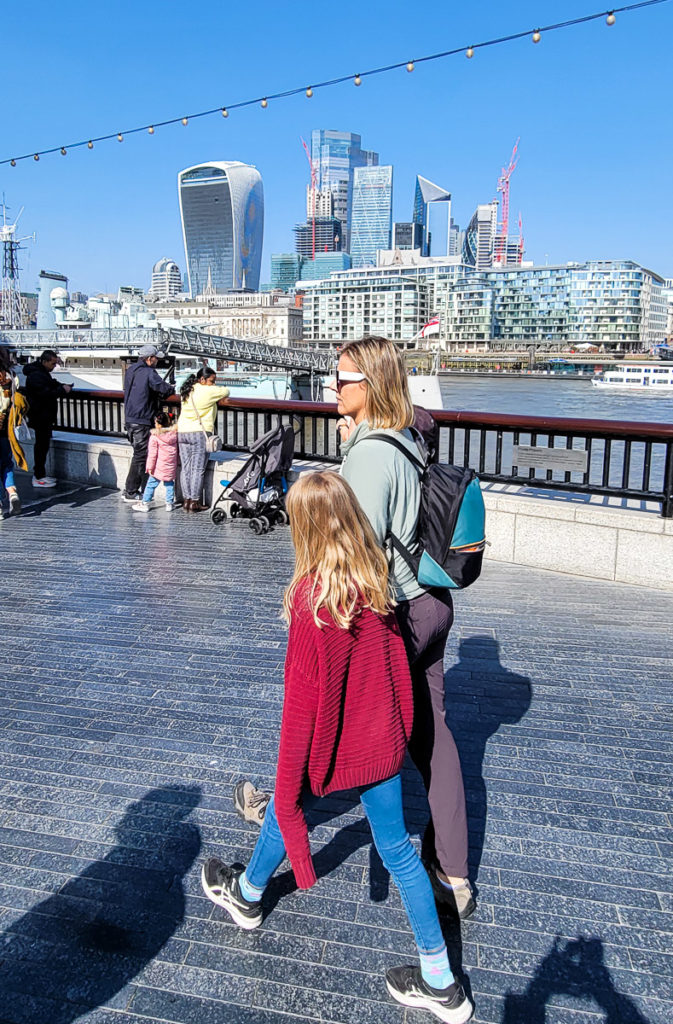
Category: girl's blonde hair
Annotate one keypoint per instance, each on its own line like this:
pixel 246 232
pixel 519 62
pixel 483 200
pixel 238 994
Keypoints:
pixel 335 547
pixel 388 402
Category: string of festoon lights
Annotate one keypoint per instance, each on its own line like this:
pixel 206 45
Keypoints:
pixel 469 51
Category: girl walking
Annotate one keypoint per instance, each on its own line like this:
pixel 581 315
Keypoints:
pixel 347 717
pixel 162 462
pixel 200 396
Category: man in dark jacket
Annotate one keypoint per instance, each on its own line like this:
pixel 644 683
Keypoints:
pixel 43 392
pixel 143 390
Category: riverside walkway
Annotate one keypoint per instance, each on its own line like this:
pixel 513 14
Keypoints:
pixel 141 676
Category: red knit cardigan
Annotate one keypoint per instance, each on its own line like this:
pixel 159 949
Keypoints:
pixel 347 715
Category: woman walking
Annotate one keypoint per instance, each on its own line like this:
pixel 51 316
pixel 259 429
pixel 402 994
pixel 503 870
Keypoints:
pixel 13 407
pixel 196 422
pixel 347 717
pixel 372 389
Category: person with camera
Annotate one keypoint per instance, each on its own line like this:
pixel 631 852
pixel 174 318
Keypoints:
pixel 143 391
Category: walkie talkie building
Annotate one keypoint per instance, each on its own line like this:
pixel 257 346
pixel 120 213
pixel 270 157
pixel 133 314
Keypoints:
pixel 222 212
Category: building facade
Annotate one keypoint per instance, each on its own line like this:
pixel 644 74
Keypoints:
pixel 324 264
pixel 166 279
pixel 425 195
pixel 407 235
pixel 327 236
pixel 372 220
pixel 275 318
pixel 222 213
pixel 285 270
pixel 335 155
pixel 479 241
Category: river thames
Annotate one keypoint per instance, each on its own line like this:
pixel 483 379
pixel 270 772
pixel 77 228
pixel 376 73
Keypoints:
pixel 535 396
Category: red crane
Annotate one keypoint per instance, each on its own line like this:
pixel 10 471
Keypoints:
pixel 314 179
pixel 520 260
pixel 500 255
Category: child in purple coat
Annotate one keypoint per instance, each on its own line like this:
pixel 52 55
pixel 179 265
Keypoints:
pixel 162 463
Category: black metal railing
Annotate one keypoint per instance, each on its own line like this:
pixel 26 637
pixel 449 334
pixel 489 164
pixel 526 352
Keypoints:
pixel 625 460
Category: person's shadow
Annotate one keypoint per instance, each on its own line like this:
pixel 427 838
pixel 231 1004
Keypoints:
pixel 573 967
pixel 78 948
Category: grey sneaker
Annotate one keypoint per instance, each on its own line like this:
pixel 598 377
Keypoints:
pixel 457 899
pixel 14 503
pixel 250 803
pixel 219 881
pixel 406 985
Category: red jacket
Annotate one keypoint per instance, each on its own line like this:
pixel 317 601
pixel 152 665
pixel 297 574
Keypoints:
pixel 162 453
pixel 347 715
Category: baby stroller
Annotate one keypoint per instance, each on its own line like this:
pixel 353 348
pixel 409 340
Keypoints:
pixel 258 490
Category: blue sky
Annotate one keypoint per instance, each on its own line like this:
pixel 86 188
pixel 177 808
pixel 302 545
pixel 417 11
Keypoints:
pixel 591 104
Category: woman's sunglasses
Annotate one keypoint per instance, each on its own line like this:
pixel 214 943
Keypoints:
pixel 344 377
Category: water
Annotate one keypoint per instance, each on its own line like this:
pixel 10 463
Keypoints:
pixel 548 397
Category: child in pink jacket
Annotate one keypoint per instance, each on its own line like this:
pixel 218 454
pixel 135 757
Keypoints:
pixel 162 463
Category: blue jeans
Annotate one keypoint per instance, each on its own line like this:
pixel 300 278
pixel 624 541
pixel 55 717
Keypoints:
pixel 153 483
pixel 6 463
pixel 383 806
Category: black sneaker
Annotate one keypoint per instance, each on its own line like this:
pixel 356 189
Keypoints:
pixel 220 884
pixel 407 986
pixel 130 498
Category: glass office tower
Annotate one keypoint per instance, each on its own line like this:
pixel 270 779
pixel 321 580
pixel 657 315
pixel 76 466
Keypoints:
pixel 335 156
pixel 222 211
pixel 372 219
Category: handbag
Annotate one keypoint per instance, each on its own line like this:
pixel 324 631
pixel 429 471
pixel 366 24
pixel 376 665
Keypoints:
pixel 213 441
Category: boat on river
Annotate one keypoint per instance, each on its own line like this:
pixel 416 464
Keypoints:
pixel 653 377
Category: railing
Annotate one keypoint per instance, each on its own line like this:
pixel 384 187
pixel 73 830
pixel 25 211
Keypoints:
pixel 626 460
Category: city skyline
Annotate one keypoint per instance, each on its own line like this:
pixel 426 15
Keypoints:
pixel 583 192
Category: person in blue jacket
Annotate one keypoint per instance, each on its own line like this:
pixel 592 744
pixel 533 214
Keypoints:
pixel 143 391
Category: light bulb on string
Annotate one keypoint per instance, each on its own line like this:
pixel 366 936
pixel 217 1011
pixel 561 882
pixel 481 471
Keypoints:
pixel 90 144
pixel 12 163
pixel 357 80
pixel 309 92
pixel 63 151
pixel 36 157
pixel 469 53
pixel 537 35
pixel 120 137
pixel 225 112
pixel 150 130
pixel 410 66
pixel 185 121
pixel 265 103
pixel 610 20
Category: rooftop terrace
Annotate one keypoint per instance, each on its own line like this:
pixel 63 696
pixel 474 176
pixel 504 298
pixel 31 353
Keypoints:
pixel 141 675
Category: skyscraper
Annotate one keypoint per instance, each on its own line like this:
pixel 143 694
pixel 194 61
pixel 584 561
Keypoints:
pixel 372 218
pixel 166 279
pixel 426 193
pixel 480 236
pixel 335 156
pixel 222 212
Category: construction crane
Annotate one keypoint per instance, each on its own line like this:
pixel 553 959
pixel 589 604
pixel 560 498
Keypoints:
pixel 314 181
pixel 520 238
pixel 500 255
pixel 11 312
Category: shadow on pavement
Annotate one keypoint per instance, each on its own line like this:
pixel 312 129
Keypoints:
pixel 75 950
pixel 572 967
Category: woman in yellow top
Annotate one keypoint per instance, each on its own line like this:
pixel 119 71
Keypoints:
pixel 200 396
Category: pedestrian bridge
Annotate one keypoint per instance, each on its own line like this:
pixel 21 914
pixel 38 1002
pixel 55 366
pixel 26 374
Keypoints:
pixel 141 676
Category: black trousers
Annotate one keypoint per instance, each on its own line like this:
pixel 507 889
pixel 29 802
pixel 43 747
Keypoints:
pixel 42 442
pixel 138 435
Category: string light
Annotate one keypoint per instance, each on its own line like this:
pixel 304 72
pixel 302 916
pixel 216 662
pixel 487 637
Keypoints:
pixel 610 19
pixel 120 137
pixel 63 151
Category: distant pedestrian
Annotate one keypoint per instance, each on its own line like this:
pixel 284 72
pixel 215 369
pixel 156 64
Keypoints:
pixel 162 462
pixel 200 396
pixel 12 408
pixel 43 392
pixel 347 717
pixel 143 391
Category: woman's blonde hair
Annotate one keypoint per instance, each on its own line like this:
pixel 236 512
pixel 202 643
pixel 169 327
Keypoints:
pixel 388 402
pixel 336 548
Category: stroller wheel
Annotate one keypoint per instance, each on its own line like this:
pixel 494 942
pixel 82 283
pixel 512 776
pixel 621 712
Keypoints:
pixel 235 510
pixel 266 525
pixel 218 515
pixel 257 526
pixel 282 517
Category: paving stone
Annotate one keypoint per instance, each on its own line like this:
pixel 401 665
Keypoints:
pixel 140 684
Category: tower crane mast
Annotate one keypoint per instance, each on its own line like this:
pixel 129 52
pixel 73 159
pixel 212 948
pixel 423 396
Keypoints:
pixel 503 187
pixel 314 179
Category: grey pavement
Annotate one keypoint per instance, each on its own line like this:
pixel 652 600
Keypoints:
pixel 141 676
